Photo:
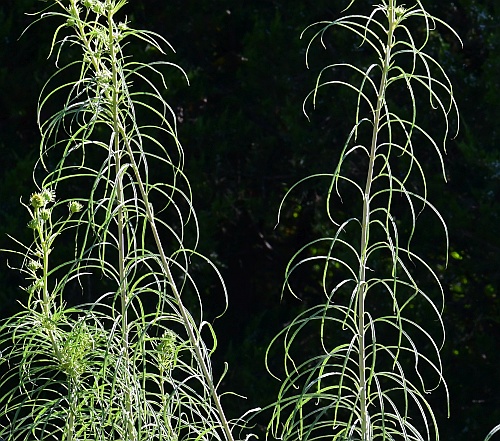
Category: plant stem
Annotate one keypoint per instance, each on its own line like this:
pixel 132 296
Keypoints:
pixel 119 133
pixel 46 239
pixel 184 313
pixel 45 244
pixel 130 432
pixel 365 226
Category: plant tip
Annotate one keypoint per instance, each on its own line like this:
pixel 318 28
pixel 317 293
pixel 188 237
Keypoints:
pixel 400 10
pixel 33 224
pixel 33 265
pixel 48 195
pixel 75 207
pixel 44 214
pixel 37 200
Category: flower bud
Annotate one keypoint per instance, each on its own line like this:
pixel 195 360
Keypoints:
pixel 44 214
pixel 48 195
pixel 75 207
pixel 37 200
pixel 33 265
pixel 33 224
pixel 400 10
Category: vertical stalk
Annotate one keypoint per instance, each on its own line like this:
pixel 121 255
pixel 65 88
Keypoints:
pixel 71 421
pixel 120 224
pixel 118 132
pixel 365 225
pixel 194 340
pixel 45 244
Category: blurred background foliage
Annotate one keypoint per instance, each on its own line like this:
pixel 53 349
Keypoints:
pixel 247 141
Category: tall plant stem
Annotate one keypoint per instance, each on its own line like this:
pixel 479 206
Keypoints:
pixel 45 243
pixel 119 134
pixel 120 221
pixel 185 315
pixel 365 225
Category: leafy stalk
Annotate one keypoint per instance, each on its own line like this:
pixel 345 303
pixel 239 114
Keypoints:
pixel 365 221
pixel 364 389
pixel 131 363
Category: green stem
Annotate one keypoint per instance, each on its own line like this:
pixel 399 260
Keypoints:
pixel 72 411
pixel 45 244
pixel 118 131
pixel 130 432
pixel 184 313
pixel 46 239
pixel 365 228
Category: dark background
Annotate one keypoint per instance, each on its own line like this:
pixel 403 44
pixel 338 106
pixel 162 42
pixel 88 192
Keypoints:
pixel 246 141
